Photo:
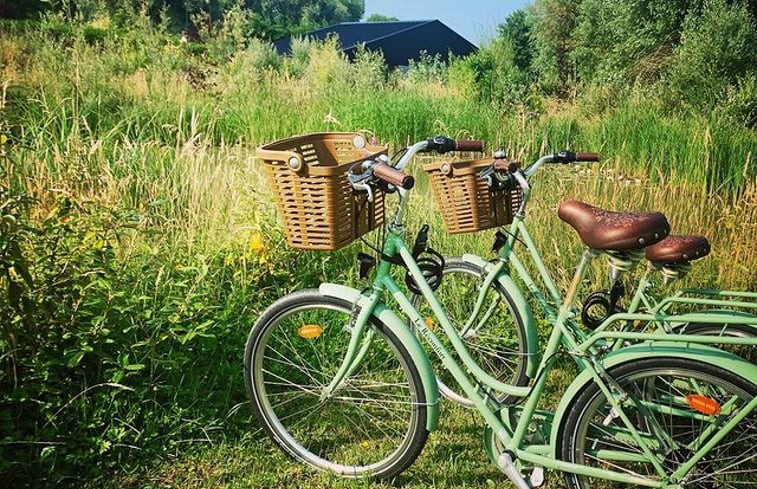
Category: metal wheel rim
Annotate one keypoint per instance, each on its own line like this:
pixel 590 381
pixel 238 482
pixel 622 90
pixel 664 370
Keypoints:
pixel 296 448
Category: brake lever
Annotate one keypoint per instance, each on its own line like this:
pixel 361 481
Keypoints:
pixel 360 181
pixel 364 187
pixel 439 144
pixel 564 156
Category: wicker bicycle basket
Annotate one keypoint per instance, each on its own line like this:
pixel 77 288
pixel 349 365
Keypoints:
pixel 465 199
pixel 316 203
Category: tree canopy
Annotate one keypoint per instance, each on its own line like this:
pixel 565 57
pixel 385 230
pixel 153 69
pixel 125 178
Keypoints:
pixel 270 18
pixel 698 53
pixel 381 18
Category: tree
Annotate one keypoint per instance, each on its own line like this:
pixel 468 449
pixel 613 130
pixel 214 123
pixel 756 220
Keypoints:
pixel 271 18
pixel 554 22
pixel 517 29
pixel 282 17
pixel 623 41
pixel 10 9
pixel 717 52
pixel 381 18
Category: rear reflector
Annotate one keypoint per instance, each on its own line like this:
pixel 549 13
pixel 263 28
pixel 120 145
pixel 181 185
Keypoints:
pixel 703 404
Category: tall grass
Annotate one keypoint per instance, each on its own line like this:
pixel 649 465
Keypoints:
pixel 138 152
pixel 147 86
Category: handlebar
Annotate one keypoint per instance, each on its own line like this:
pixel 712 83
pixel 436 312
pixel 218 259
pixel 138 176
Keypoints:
pixel 389 174
pixel 563 157
pixel 566 156
pixel 469 145
pixel 382 168
pixel 503 174
pixel 442 144
pixel 587 156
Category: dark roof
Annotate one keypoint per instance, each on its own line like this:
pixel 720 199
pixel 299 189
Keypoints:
pixel 399 41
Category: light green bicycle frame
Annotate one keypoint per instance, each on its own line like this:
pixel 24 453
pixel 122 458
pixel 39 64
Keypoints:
pixel 730 299
pixel 656 310
pixel 565 333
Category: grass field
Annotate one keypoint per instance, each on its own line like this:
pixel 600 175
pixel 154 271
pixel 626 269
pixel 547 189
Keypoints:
pixel 153 242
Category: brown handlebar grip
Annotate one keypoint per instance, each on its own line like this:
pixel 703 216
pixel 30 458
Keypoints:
pixel 587 156
pixel 391 175
pixel 469 145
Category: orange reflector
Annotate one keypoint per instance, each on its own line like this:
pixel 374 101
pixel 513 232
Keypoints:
pixel 703 404
pixel 429 322
pixel 310 331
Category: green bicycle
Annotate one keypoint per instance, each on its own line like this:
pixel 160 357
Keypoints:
pixel 341 383
pixel 671 257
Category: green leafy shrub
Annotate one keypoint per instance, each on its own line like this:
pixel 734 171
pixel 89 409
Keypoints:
pixel 628 41
pixel 740 104
pixel 498 79
pixel 100 361
pixel 717 48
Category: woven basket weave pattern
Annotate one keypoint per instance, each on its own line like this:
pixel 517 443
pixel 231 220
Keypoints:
pixel 317 205
pixel 466 201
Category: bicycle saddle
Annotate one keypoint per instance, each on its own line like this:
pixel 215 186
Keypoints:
pixel 677 249
pixel 613 231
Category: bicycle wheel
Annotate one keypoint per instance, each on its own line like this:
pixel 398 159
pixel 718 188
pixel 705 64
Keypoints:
pixel 738 330
pixel 497 344
pixel 683 398
pixel 373 425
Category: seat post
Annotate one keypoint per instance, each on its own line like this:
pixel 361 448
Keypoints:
pixel 586 257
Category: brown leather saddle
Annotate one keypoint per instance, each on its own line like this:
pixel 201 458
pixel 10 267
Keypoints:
pixel 600 229
pixel 678 249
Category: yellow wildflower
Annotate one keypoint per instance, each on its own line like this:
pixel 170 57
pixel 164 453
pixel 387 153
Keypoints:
pixel 256 243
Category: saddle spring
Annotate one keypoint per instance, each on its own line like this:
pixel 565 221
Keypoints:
pixel 623 261
pixel 601 304
pixel 674 271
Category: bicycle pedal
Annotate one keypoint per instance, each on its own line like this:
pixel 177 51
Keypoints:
pixel 537 477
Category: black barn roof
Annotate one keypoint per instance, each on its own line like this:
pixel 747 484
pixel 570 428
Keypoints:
pixel 399 41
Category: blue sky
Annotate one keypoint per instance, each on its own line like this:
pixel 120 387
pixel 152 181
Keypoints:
pixel 475 20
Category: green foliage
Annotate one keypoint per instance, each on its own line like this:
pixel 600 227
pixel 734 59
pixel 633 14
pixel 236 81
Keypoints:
pixel 10 9
pixel 717 49
pixel 95 354
pixel 554 22
pixel 698 54
pixel 267 18
pixel 427 68
pixel 381 18
pixel 301 16
pixel 498 79
pixel 740 104
pixel 517 29
pixel 621 41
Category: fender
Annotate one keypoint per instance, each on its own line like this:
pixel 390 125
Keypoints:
pixel 676 325
pixel 408 339
pixel 700 353
pixel 523 310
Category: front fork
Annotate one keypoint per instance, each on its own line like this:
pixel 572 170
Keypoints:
pixel 361 336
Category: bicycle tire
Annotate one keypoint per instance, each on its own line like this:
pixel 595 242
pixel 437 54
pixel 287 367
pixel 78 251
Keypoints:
pixel 351 440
